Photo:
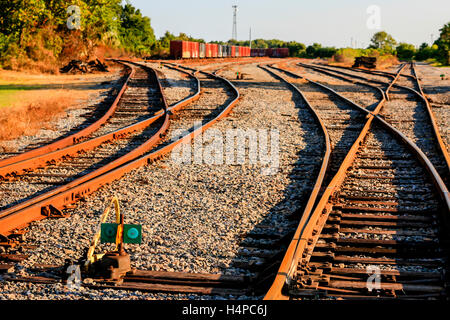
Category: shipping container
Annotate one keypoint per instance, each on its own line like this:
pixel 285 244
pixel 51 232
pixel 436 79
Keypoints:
pixel 262 52
pixel 195 50
pixel 228 51
pixel 202 50
pixel 281 53
pixel 179 49
pixel 187 49
pixel 214 50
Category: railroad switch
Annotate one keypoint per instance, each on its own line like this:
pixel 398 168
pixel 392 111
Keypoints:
pixel 113 265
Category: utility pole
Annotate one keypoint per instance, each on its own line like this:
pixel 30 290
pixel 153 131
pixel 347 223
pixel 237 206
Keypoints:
pixel 250 37
pixel 234 35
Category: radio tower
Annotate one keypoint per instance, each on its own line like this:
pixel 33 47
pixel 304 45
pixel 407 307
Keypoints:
pixel 234 35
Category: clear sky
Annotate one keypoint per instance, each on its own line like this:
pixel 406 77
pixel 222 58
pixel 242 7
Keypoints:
pixel 329 22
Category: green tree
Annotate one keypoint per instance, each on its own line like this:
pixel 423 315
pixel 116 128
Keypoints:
pixel 136 33
pixel 296 49
pixel 405 51
pixel 382 40
pixel 426 52
pixel 312 50
pixel 443 44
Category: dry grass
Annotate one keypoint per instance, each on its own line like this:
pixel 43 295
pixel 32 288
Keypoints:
pixel 36 110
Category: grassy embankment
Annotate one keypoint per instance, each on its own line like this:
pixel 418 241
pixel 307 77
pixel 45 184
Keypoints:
pixel 29 103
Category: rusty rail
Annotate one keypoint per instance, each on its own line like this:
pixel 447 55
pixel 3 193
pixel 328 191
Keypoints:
pixel 24 166
pixel 374 72
pixel 22 215
pixel 433 120
pixel 304 231
pixel 420 95
pixel 286 264
pixel 69 140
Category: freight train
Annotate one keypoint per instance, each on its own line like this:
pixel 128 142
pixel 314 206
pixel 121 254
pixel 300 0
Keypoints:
pixel 270 52
pixel 196 50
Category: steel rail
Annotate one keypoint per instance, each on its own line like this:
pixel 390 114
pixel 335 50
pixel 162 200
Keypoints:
pixel 433 119
pixel 304 232
pixel 63 196
pixel 71 139
pixel 374 72
pixel 432 170
pixel 288 266
pixel 441 146
pixel 336 74
pixel 27 165
pixel 22 214
pixel 286 262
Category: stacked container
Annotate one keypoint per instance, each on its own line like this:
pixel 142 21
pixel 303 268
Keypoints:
pixel 214 50
pixel 202 50
pixel 194 50
pixel 180 49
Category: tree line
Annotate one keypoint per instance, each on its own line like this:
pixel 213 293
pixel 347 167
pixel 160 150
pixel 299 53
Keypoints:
pixel 36 33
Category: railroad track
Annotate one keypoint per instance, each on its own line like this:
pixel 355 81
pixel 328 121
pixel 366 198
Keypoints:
pixel 386 208
pixel 29 194
pixel 94 121
pixel 208 111
pixel 365 208
pixel 408 110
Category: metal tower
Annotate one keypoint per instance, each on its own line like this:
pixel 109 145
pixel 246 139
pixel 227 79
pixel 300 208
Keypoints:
pixel 234 35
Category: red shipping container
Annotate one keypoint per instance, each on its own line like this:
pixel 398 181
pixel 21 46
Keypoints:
pixel 233 51
pixel 214 50
pixel 194 50
pixel 179 49
pixel 284 52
